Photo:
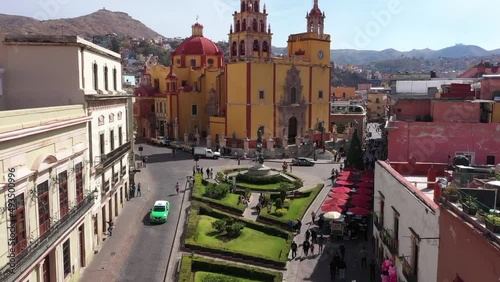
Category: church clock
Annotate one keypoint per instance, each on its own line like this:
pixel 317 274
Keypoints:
pixel 321 54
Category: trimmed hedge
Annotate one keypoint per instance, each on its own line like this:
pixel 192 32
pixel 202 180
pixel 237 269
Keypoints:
pixel 190 265
pixel 234 208
pixel 283 222
pixel 202 209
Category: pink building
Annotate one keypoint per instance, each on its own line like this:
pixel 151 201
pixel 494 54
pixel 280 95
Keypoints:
pixel 433 142
pixel 490 87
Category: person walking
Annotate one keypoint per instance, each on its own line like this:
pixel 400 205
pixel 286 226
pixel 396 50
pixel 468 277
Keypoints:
pixel 144 160
pixel 320 243
pixel 333 269
pixel 139 190
pixel 312 248
pixel 314 236
pixel 342 266
pixel 305 247
pixel 372 271
pixel 342 249
pixel 363 254
pixel 299 225
pixel 208 172
pixel 177 188
pixel 308 235
pixel 294 249
pixel 313 216
pixel 111 226
pixel 211 173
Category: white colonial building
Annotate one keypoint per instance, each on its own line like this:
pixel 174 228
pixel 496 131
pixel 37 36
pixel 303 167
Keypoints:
pixel 48 71
pixel 406 223
pixel 45 200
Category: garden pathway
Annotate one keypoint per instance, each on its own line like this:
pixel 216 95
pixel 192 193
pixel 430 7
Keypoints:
pixel 250 212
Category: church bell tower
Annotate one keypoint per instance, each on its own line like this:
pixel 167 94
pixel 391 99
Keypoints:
pixel 316 20
pixel 250 35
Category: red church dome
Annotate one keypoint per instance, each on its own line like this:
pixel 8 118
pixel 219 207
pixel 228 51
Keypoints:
pixel 197 45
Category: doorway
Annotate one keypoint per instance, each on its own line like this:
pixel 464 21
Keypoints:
pixel 116 204
pixel 81 243
pixel 292 129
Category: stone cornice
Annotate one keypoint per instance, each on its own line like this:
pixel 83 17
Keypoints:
pixel 17 134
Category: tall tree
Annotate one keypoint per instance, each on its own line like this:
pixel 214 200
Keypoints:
pixel 355 153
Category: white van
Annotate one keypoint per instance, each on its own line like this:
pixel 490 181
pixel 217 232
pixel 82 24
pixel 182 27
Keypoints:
pixel 206 153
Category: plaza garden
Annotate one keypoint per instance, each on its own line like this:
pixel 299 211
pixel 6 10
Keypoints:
pixel 215 226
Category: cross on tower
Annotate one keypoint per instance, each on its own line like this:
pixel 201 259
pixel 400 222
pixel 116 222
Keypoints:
pixel 197 18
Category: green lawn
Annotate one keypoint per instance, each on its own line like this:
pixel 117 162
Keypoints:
pixel 296 209
pixel 250 241
pixel 200 275
pixel 231 198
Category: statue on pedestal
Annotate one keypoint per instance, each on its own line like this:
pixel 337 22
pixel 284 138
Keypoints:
pixel 259 155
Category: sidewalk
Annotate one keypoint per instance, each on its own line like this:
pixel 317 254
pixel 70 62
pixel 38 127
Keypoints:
pixel 316 267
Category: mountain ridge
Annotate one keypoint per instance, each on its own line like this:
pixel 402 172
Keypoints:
pixel 111 22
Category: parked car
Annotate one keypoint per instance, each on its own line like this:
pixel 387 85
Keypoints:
pixel 159 212
pixel 161 141
pixel 175 145
pixel 302 162
pixel 206 153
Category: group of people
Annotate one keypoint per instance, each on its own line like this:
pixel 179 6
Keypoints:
pixel 209 171
pixel 338 264
pixel 372 152
pixel 313 238
pixel 135 190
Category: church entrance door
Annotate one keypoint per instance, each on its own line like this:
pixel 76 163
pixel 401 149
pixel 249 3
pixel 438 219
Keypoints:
pixel 292 129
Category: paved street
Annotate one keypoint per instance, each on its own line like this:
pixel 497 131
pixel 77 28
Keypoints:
pixel 138 251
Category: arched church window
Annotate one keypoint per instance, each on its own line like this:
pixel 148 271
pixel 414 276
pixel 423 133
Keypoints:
pixel 254 25
pixel 262 26
pixel 244 25
pixel 256 6
pixel 293 95
pixel 234 50
pixel 265 47
pixel 243 6
pixel 238 26
pixel 242 47
pixel 256 46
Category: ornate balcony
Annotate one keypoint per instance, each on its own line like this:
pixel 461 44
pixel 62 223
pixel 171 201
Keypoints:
pixel 408 271
pixel 107 160
pixel 33 251
pixel 377 222
pixel 391 243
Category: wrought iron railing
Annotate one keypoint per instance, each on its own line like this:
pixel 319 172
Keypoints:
pixel 408 271
pixel 391 243
pixel 25 258
pixel 376 222
pixel 114 155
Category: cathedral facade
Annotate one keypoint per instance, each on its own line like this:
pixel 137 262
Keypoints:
pixel 199 95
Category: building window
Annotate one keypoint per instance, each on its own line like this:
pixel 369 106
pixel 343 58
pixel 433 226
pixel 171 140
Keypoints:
pixel 377 101
pixel 116 175
pixel 115 87
pixel 343 94
pixel 194 110
pixel 320 94
pixel 396 226
pixel 102 144
pixel 293 95
pixel 106 78
pixel 43 206
pixel 120 136
pixel 415 249
pixel 94 77
pixel 79 182
pixel 152 108
pixel 210 61
pixel 20 241
pixel 101 120
pixel 63 193
pixel 184 83
pixel 66 258
pixel 469 155
pixel 193 62
pixel 382 207
pixel 112 139
pixel 256 46
pixel 261 94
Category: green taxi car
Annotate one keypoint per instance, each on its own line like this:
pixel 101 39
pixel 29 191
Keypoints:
pixel 159 212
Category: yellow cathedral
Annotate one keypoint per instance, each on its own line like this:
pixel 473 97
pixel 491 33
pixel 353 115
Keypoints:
pixel 202 94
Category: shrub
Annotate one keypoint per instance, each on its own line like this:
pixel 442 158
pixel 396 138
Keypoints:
pixel 280 212
pixel 267 199
pixel 229 226
pixel 234 230
pixel 219 225
pixel 219 278
pixel 287 201
pixel 278 203
pixel 216 191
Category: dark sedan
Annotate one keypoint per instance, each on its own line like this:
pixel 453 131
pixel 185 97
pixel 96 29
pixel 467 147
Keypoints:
pixel 302 162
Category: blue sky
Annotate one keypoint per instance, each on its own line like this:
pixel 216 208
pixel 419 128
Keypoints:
pixel 354 24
